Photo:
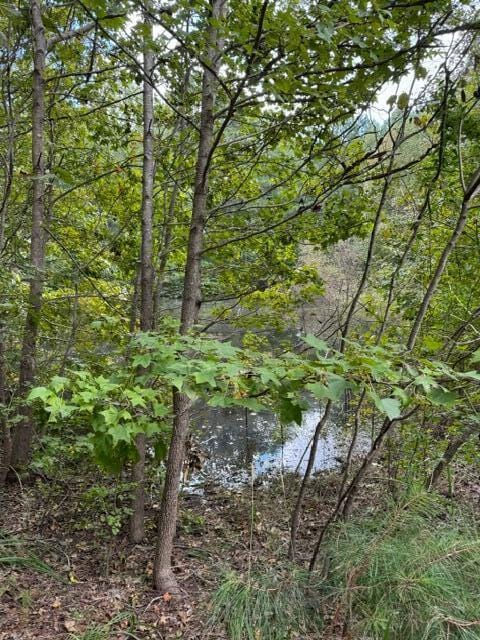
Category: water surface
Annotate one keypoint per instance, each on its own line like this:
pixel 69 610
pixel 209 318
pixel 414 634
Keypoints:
pixel 236 439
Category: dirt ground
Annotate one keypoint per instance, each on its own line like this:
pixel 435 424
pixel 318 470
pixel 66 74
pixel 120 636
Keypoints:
pixel 102 587
pixel 101 581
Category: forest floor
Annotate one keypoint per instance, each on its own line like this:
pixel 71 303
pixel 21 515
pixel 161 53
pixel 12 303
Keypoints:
pixel 102 587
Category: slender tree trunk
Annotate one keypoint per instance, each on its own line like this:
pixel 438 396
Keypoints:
pixel 6 450
pixel 170 213
pixel 297 509
pixel 5 433
pixel 135 299
pixel 450 452
pixel 137 520
pixel 469 195
pixel 165 251
pixel 163 575
pixel 24 431
pixel 73 332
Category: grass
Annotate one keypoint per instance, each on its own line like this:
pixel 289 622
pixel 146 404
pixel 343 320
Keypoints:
pixel 267 605
pixel 13 553
pixel 103 631
pixel 411 574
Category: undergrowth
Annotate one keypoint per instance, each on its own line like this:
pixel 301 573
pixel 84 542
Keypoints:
pixel 103 631
pixel 14 553
pixel 410 574
pixel 265 605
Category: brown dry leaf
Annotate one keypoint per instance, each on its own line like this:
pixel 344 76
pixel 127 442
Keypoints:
pixel 69 625
pixel 167 596
pixel 56 604
pixel 184 616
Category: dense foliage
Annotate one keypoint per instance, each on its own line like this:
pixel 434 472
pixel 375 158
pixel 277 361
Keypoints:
pixel 255 205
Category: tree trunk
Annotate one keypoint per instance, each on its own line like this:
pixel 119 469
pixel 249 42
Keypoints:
pixel 470 193
pixel 453 446
pixel 163 575
pixel 6 450
pixel 5 433
pixel 170 212
pixel 137 520
pixel 23 433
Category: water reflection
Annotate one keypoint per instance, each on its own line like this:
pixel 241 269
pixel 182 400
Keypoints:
pixel 235 438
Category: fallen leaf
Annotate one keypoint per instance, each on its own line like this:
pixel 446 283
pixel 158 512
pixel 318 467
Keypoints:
pixel 167 596
pixel 69 625
pixel 56 604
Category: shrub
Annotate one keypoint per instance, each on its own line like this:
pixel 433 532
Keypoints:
pixel 269 605
pixel 411 574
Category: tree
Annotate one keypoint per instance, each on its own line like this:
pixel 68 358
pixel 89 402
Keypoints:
pixel 163 575
pixel 137 526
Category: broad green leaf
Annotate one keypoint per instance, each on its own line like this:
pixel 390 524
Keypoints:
pixel 389 406
pixel 333 390
pixel 142 360
pixel 135 398
pixel 208 375
pixel 58 383
pixel 475 356
pixel 110 415
pixel 290 411
pixel 41 393
pixel 439 396
pixel 316 343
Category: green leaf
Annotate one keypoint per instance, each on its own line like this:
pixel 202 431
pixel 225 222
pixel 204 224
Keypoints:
pixel 159 409
pixel 432 344
pixel 471 375
pixel 151 428
pixel 402 101
pixel 58 383
pixel 268 375
pixel 333 390
pixel 110 415
pixel 319 345
pixel 319 390
pixel 389 406
pixel 290 412
pixel 427 382
pixel 135 398
pixel 41 393
pixel 439 396
pixel 120 433
pixel 475 356
pixel 208 375
pixel 142 360
pixel 161 450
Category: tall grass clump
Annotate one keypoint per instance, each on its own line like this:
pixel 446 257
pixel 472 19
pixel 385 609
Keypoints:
pixel 14 554
pixel 410 574
pixel 266 605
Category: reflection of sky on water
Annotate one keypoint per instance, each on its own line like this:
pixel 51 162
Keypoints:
pixel 235 439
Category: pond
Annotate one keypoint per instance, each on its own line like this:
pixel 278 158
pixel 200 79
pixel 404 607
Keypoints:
pixel 236 439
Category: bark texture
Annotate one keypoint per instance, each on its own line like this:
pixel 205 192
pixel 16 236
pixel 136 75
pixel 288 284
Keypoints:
pixel 22 437
pixel 137 520
pixel 164 578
